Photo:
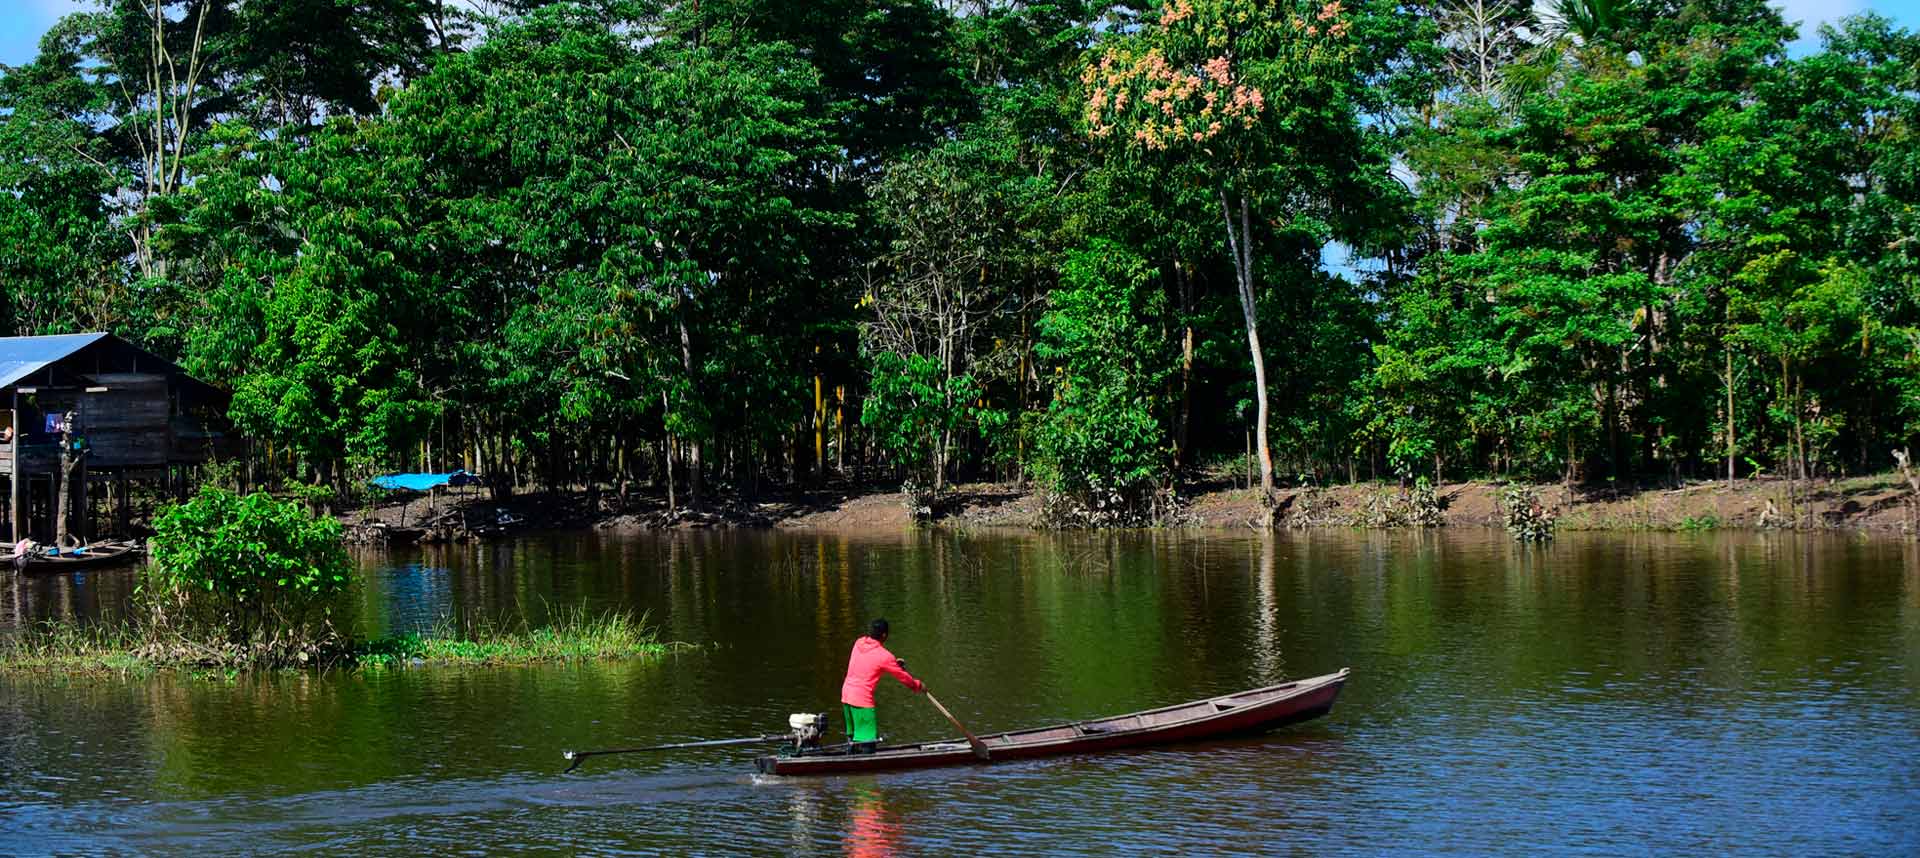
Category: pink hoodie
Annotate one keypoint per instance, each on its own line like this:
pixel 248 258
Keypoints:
pixel 870 659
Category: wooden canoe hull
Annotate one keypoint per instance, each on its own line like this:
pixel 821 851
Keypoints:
pixel 1237 714
pixel 106 554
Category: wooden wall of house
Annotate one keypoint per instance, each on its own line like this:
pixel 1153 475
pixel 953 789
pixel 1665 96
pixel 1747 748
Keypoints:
pixel 129 424
pixel 130 420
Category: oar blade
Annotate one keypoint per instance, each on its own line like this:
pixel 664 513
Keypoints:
pixel 980 751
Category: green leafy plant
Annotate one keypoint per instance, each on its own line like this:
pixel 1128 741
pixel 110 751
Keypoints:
pixel 251 572
pixel 1693 523
pixel 1526 518
pixel 914 409
pixel 1423 505
pixel 1102 450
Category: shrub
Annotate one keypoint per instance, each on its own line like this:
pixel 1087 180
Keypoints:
pixel 914 410
pixel 258 573
pixel 1423 505
pixel 1102 450
pixel 1526 518
pixel 1381 511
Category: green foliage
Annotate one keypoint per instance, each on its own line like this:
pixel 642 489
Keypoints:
pixel 913 409
pixel 574 634
pixel 1102 445
pixel 1526 518
pixel 1642 242
pixel 948 297
pixel 1423 505
pixel 256 571
pixel 67 649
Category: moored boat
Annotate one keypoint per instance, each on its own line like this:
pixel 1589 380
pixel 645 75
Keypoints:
pixel 75 559
pixel 1235 714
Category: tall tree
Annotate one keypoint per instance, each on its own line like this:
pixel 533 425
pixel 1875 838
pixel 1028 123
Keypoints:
pixel 1253 93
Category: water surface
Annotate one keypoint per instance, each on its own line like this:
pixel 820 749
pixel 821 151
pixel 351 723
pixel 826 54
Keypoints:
pixel 1605 694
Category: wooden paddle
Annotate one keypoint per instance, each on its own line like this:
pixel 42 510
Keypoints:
pixel 979 747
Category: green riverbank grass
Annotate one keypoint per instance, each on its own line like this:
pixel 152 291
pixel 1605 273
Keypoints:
pixel 124 648
pixel 54 647
pixel 573 636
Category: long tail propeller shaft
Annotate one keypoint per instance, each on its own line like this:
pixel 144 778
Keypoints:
pixel 577 757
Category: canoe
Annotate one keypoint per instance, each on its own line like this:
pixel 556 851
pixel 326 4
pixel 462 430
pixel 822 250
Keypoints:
pixel 1238 714
pixel 75 559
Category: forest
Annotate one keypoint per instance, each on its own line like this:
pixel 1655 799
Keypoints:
pixel 723 246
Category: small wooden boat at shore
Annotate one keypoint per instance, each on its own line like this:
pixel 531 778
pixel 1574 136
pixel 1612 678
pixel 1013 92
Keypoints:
pixel 92 556
pixel 1238 714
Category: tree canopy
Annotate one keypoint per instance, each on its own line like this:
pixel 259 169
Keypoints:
pixel 1105 246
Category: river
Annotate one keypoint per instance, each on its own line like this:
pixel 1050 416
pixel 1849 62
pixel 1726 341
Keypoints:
pixel 1727 694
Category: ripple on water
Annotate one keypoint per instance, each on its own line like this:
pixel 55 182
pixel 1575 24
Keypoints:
pixel 1600 695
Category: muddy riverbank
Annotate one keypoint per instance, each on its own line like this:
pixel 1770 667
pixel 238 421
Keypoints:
pixel 1875 504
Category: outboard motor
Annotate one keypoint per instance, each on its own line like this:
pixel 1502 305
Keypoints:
pixel 807 729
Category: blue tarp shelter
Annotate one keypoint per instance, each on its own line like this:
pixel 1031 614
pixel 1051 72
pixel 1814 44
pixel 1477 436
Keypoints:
pixel 423 482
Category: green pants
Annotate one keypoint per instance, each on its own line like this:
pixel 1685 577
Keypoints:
pixel 862 724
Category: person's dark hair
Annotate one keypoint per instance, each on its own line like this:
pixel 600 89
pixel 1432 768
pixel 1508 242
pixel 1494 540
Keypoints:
pixel 878 630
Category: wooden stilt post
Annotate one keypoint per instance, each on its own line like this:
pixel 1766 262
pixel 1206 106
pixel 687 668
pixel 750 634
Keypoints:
pixel 18 478
pixel 123 513
pixel 84 515
pixel 49 509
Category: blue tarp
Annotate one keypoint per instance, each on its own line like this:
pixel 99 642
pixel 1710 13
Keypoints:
pixel 422 482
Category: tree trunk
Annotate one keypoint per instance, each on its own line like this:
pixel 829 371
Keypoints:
pixel 1241 246
pixel 1184 285
pixel 1900 458
pixel 696 479
pixel 64 493
pixel 1020 386
pixel 940 461
pixel 819 423
pixel 1613 430
pixel 1566 476
pixel 1786 400
pixel 840 430
pixel 1800 427
pixel 1730 446
pixel 693 444
pixel 673 505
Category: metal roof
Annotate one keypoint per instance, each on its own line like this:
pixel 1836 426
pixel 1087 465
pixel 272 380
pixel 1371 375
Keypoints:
pixel 24 356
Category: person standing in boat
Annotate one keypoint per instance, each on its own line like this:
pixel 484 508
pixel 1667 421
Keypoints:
pixel 869 660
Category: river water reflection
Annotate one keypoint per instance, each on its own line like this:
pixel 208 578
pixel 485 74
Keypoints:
pixel 1710 694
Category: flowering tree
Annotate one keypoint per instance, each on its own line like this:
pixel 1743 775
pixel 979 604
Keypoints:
pixel 1241 89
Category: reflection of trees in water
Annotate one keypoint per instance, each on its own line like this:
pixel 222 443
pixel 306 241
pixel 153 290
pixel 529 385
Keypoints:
pixel 1266 615
pixel 101 594
pixel 1460 623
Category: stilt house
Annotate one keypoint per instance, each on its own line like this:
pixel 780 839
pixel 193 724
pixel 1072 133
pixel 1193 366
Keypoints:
pixel 133 418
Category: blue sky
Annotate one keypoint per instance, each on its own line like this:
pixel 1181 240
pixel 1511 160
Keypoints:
pixel 22 21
